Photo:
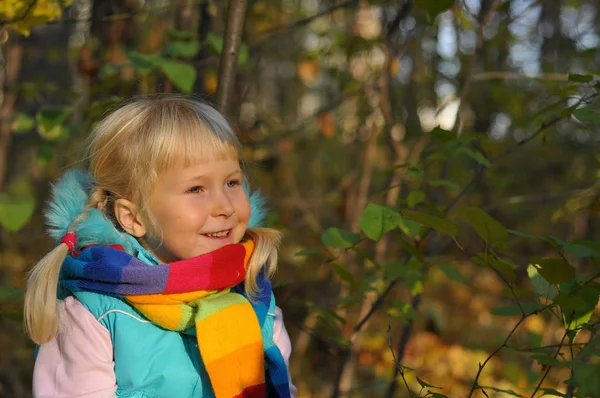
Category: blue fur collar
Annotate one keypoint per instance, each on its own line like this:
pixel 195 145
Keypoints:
pixel 70 196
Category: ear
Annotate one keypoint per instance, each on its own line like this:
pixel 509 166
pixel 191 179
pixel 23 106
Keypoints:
pixel 127 215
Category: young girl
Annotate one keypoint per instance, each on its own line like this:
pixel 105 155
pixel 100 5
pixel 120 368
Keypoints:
pixel 159 284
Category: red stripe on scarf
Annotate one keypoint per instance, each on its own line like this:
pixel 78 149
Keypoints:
pixel 217 270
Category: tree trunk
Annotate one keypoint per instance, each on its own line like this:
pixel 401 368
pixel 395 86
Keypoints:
pixel 234 28
pixel 11 57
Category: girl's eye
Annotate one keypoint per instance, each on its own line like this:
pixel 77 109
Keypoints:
pixel 196 189
pixel 233 183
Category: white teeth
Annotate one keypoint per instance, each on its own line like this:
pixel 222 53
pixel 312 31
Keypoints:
pixel 218 234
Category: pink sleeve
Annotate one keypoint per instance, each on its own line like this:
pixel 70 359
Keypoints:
pixel 78 361
pixel 282 340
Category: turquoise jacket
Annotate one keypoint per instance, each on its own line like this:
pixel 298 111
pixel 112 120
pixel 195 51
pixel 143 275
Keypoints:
pixel 149 361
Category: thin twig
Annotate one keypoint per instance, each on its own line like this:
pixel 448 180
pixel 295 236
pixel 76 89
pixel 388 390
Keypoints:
pixel 480 169
pixel 548 367
pixel 481 366
pixel 269 33
pixel 398 364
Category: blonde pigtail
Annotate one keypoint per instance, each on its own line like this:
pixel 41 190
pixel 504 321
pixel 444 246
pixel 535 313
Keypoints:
pixel 40 306
pixel 40 303
pixel 266 241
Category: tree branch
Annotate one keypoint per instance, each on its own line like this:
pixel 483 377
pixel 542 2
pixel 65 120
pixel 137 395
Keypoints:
pixel 228 64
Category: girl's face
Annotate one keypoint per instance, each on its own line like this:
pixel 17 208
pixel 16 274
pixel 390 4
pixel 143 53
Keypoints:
pixel 198 209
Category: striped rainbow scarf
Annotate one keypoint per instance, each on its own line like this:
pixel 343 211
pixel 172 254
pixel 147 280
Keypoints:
pixel 202 292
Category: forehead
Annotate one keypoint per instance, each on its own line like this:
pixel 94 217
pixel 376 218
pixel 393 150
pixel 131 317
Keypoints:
pixel 206 167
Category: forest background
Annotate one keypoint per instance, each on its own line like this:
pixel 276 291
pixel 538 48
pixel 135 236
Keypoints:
pixel 433 165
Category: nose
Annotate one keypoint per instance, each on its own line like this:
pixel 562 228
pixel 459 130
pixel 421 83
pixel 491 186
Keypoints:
pixel 222 205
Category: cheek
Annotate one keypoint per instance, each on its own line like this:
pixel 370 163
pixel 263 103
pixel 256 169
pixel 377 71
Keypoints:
pixel 243 209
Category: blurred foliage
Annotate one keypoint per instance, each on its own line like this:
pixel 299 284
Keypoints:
pixel 433 165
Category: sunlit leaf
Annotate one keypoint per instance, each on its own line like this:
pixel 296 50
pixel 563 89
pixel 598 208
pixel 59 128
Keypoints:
pixel 577 303
pixel 49 121
pixel 16 211
pixel 22 124
pixel 540 285
pixel 339 239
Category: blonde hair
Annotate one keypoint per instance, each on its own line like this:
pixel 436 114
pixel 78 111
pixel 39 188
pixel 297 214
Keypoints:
pixel 128 151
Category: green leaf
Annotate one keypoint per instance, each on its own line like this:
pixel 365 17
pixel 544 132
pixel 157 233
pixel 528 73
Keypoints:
pixel 402 311
pixel 551 391
pixel 182 35
pixel 22 124
pixel 343 273
pixel 443 135
pixel 435 394
pixel 215 42
pixel 439 224
pixel 143 63
pixel 577 250
pixel 573 77
pixel 394 270
pixel 577 304
pixel 549 360
pixel 415 197
pixel 49 121
pixel 587 115
pixel 525 234
pixel 477 156
pixel 541 286
pixel 414 170
pixel 376 220
pixel 424 384
pixel 452 273
pixel 554 270
pixel 486 226
pixel 183 75
pixel 510 310
pixel 444 183
pixel 406 272
pixel 308 252
pixel 586 378
pixel 16 211
pixel 339 239
pixel 509 392
pixel 185 49
pixel 568 111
